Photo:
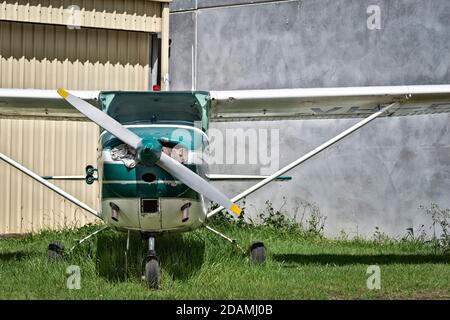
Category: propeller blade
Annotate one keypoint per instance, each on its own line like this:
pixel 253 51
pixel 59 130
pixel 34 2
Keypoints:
pixel 102 119
pixel 195 182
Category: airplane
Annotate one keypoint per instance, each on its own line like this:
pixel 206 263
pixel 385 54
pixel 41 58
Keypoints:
pixel 149 180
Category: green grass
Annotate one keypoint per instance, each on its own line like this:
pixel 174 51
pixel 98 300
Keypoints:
pixel 199 265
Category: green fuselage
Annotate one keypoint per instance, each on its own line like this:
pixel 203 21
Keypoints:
pixel 143 181
pixel 171 120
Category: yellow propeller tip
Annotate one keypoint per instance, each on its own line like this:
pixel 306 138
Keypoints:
pixel 235 209
pixel 63 93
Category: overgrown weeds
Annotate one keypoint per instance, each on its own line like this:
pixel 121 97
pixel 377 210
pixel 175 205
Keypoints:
pixel 440 227
pixel 307 220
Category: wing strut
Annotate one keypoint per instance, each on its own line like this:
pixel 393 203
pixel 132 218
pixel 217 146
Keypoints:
pixel 49 185
pixel 307 156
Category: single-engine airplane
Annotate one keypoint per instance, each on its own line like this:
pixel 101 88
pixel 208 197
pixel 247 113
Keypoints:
pixel 148 177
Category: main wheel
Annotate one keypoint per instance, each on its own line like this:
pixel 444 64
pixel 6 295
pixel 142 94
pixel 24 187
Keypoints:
pixel 258 252
pixel 152 273
pixel 55 250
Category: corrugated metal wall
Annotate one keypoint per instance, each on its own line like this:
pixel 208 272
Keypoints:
pixel 48 57
pixel 135 15
pixel 48 148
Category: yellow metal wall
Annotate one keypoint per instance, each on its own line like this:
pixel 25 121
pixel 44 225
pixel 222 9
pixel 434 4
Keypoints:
pixel 48 57
pixel 135 15
pixel 48 148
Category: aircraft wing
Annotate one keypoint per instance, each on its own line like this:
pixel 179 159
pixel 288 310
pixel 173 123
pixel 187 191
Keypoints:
pixel 238 105
pixel 44 104
pixel 327 103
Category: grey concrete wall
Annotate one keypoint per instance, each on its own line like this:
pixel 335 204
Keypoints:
pixel 377 177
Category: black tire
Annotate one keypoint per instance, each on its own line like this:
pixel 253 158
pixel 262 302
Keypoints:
pixel 55 250
pixel 258 253
pixel 152 273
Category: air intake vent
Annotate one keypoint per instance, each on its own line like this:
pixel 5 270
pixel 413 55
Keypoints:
pixel 149 205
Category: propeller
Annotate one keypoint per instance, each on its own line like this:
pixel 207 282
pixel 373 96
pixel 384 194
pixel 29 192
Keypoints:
pixel 149 152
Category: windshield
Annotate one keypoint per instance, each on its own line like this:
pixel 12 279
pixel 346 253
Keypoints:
pixel 154 107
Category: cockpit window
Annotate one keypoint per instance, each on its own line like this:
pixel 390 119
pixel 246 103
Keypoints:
pixel 153 107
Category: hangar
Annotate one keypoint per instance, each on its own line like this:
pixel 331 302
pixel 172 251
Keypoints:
pixel 81 45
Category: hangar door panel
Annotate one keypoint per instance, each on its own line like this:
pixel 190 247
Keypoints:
pixel 47 57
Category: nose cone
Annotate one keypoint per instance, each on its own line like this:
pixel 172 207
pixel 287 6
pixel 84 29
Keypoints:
pixel 149 151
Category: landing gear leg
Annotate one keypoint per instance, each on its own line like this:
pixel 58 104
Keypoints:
pixel 257 249
pixel 56 249
pixel 232 241
pixel 151 265
pixel 79 242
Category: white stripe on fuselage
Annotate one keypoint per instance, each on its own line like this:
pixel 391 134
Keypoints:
pixel 141 182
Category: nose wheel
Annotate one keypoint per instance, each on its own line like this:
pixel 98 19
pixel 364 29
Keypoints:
pixel 152 273
pixel 151 265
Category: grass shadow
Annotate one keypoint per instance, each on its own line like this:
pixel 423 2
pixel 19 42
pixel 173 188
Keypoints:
pixel 110 256
pixel 16 256
pixel 349 259
pixel 180 255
